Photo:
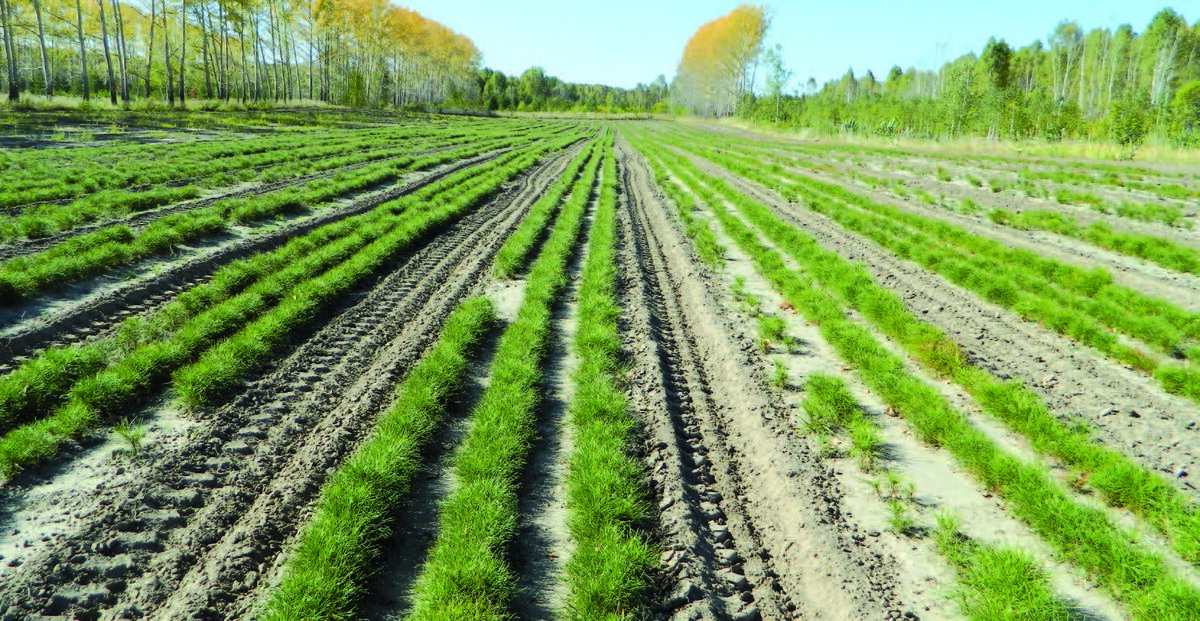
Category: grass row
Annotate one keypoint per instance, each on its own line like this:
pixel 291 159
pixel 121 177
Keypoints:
pixel 1156 249
pixel 37 383
pixel 1159 250
pixel 111 247
pixel 325 576
pixel 1122 482
pixel 1081 304
pixel 608 573
pixel 815 158
pixel 466 575
pixel 577 177
pixel 48 219
pixel 1082 535
pixel 43 220
pixel 288 288
pixel 223 366
pixel 88 170
pixel 695 228
pixel 993 582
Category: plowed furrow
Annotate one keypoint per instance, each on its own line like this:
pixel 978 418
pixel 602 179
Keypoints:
pixel 98 316
pixel 209 520
pixel 767 515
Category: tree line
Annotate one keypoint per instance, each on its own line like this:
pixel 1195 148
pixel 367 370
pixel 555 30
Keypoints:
pixel 348 52
pixel 1101 83
pixel 720 61
pixel 533 90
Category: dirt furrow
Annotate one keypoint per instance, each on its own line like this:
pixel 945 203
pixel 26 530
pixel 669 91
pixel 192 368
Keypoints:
pixel 761 524
pixel 205 521
pixel 96 313
pixel 142 219
pixel 1126 410
pixel 415 521
pixel 1140 275
pixel 542 545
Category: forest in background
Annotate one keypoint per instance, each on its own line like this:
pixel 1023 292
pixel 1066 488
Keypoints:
pixel 346 52
pixel 1101 84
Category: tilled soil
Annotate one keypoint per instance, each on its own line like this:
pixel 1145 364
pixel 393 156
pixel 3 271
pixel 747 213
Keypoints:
pixel 189 528
pixel 142 219
pixel 93 309
pixel 1128 411
pixel 751 521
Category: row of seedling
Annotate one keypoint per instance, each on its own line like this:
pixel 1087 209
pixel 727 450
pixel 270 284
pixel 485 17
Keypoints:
pixel 1085 536
pixel 237 320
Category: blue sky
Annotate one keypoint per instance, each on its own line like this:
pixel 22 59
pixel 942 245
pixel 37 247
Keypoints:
pixel 623 42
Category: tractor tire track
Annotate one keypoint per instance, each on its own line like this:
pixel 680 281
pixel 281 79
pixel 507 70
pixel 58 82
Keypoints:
pixel 193 529
pixel 752 522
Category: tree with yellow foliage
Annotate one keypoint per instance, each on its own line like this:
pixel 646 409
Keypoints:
pixel 720 60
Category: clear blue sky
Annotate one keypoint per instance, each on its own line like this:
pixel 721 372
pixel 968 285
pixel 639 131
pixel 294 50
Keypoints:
pixel 623 42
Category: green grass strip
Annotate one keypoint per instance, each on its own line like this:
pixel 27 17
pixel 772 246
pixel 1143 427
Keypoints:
pixel 1156 249
pixel 326 574
pixel 375 236
pixel 222 367
pixel 993 582
pixel 609 571
pixel 43 383
pixel 521 243
pixel 1019 284
pixel 998 583
pixel 1082 535
pixel 1121 482
pixel 1156 322
pixel 466 575
pixel 695 228
pixel 111 247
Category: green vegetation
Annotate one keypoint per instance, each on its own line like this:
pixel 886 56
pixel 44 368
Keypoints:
pixel 1122 483
pixel 1082 304
pixel 1161 251
pixel 333 558
pixel 1017 94
pixel 695 228
pixel 1082 535
pixel 466 575
pixel 997 583
pixel 96 253
pixel 133 433
pixel 576 178
pixel 257 301
pixel 609 572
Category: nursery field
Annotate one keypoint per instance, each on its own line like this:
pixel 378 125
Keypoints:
pixel 477 368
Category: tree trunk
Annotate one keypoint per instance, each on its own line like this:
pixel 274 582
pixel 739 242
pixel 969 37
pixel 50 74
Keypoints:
pixel 245 74
pixel 82 50
pixel 226 84
pixel 167 56
pixel 150 49
pixel 46 75
pixel 119 34
pixel 274 50
pixel 257 68
pixel 112 82
pixel 208 90
pixel 182 52
pixel 10 52
pixel 311 39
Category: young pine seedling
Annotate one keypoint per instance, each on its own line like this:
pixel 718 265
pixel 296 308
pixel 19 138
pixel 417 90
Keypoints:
pixel 866 443
pixel 132 433
pixel 770 330
pixel 899 518
pixel 780 377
